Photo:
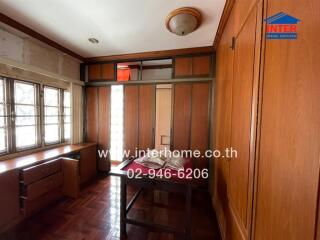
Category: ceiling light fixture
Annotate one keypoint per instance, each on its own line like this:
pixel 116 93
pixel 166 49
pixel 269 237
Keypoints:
pixel 93 40
pixel 183 21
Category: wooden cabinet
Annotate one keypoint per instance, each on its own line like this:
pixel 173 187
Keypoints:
pixel 88 163
pixel 92 114
pixel 101 72
pixel 131 118
pixel 181 116
pixel 288 172
pixel 146 116
pixel 104 110
pixel 196 66
pixel 191 118
pixel 199 138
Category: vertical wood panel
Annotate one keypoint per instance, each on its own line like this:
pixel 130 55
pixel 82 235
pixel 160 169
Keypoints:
pixel 200 120
pixel 131 114
pixel 92 114
pixel 241 121
pixel 107 71
pixel 94 72
pixel 183 66
pixel 201 65
pixel 146 116
pixel 104 124
pixel 181 116
pixel 288 170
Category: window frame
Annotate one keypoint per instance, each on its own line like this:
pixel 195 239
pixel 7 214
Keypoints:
pixel 10 116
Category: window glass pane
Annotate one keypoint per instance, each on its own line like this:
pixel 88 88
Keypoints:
pixel 23 110
pixel 2 118
pixel 52 119
pixel 67 119
pixel 1 90
pixel 25 136
pixel 51 111
pixel 66 99
pixel 51 96
pixel 24 93
pixel 67 111
pixel 25 121
pixel 2 140
pixel 67 131
pixel 52 133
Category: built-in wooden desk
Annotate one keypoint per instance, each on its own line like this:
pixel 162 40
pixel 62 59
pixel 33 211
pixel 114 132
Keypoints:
pixel 11 169
pixel 41 156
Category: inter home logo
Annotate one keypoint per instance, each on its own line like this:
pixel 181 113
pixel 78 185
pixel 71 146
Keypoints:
pixel 281 26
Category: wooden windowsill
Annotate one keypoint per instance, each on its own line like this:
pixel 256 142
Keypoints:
pixel 41 156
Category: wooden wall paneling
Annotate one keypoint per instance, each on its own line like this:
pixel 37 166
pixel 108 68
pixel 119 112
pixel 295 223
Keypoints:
pixel 182 66
pixel 131 118
pixel 108 71
pixel 222 125
pixel 241 174
pixel 288 170
pixel 199 139
pixel 94 72
pixel 201 65
pixel 104 132
pixel 146 116
pixel 181 116
pixel 92 114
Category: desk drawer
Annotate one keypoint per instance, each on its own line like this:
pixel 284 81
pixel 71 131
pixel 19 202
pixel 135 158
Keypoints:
pixel 36 173
pixel 43 186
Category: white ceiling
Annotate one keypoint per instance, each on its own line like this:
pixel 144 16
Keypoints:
pixel 121 26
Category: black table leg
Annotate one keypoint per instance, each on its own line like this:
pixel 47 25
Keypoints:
pixel 188 226
pixel 123 206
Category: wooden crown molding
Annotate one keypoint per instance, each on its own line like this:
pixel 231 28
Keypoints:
pixel 13 23
pixel 151 55
pixel 223 21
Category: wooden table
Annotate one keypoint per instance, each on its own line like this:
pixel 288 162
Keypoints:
pixel 146 182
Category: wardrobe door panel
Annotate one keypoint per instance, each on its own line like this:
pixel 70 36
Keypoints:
pixel 200 120
pixel 104 125
pixel 181 116
pixel 92 114
pixel 146 116
pixel 131 115
pixel 241 176
pixel 183 66
pixel 288 174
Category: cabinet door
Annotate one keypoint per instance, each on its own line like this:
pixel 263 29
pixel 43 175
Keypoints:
pixel 200 120
pixel 181 116
pixel 201 66
pixel 146 116
pixel 94 72
pixel 92 114
pixel 131 116
pixel 241 172
pixel 107 71
pixel 288 174
pixel 183 66
pixel 88 163
pixel 104 125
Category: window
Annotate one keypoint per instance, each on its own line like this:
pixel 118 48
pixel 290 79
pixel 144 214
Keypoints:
pixel 25 115
pixel 3 119
pixel 66 114
pixel 116 123
pixel 28 120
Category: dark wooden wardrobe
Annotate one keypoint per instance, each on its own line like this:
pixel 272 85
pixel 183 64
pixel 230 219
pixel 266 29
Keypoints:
pixel 98 120
pixel 266 107
pixel 139 117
